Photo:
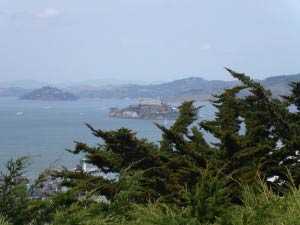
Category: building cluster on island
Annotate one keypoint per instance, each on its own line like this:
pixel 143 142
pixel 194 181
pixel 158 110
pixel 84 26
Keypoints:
pixel 146 109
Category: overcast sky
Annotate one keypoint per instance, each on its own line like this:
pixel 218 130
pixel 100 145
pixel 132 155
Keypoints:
pixel 72 40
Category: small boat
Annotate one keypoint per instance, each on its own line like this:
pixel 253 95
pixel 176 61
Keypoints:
pixel 19 113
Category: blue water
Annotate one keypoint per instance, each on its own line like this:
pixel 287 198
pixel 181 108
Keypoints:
pixel 46 129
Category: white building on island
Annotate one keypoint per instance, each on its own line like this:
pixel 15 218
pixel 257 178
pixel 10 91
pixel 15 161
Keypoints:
pixel 157 102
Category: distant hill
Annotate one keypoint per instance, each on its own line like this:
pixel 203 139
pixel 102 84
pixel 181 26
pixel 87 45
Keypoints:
pixel 195 88
pixel 48 93
pixel 175 90
pixel 279 85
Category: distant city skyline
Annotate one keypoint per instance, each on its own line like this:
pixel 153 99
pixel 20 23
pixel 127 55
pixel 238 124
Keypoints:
pixel 147 40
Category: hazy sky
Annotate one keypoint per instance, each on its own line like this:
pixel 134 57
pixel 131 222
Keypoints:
pixel 71 40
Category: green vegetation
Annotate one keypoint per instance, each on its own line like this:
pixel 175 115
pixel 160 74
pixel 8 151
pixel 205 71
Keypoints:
pixel 3 221
pixel 185 179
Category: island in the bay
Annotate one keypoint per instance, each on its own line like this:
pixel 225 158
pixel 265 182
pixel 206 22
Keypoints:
pixel 146 109
pixel 49 93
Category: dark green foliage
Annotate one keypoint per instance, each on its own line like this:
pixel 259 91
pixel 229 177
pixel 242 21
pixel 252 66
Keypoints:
pixel 210 199
pixel 3 221
pixel 161 214
pixel 268 143
pixel 121 149
pixel 262 206
pixel 84 212
pixel 294 98
pixel 185 144
pixel 13 192
pixel 187 116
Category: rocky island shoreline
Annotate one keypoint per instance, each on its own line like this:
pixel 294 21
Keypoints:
pixel 146 109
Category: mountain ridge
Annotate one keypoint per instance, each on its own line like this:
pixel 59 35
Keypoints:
pixel 196 88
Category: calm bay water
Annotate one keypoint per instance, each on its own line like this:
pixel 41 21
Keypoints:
pixel 47 128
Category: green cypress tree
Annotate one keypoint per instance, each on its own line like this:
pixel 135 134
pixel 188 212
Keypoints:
pixel 184 139
pixel 256 149
pixel 14 195
pixel 121 150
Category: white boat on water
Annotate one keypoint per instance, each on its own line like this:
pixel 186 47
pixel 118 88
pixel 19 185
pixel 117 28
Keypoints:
pixel 19 113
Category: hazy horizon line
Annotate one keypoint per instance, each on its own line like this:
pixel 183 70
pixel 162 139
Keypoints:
pixel 117 81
